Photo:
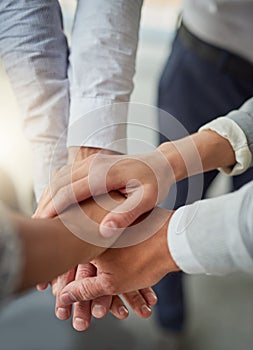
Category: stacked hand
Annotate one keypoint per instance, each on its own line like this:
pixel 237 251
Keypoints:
pixel 144 179
pixel 125 269
pixel 83 309
pixel 140 300
pixel 83 275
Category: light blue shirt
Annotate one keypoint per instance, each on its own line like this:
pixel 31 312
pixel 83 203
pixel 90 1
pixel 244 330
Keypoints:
pixel 57 87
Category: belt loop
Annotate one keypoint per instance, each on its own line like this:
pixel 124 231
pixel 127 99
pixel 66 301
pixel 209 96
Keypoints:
pixel 221 58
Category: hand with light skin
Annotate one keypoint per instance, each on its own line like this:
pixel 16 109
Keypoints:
pixel 145 179
pixel 139 300
pixel 122 270
pixel 200 152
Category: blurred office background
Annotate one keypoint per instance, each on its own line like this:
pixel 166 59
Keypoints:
pixel 220 310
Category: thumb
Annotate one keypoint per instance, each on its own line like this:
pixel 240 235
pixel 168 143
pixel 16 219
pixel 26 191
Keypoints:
pixel 125 213
pixel 85 289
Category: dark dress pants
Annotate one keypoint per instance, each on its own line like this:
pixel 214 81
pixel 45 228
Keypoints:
pixel 193 91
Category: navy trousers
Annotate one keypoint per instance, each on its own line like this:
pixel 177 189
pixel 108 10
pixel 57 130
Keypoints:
pixel 194 91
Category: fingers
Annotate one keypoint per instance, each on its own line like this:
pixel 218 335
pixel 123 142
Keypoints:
pixel 118 308
pixel 63 312
pixel 77 182
pixel 86 289
pixel 54 201
pixel 82 316
pixel 45 199
pixel 69 194
pixel 82 309
pixel 126 213
pixel 42 286
pixel 101 306
pixel 149 295
pixel 67 186
pixel 54 286
pixel 138 304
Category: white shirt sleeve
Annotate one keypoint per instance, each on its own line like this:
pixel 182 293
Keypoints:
pixel 102 66
pixel 34 52
pixel 230 130
pixel 214 236
pixel 237 128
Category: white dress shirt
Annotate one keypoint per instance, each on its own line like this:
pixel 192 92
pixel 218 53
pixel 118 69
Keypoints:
pixel 70 99
pixel 214 236
pixel 101 70
pixel 77 97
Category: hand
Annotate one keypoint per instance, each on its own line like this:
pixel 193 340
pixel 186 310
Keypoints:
pixel 75 154
pixel 125 269
pixel 145 179
pixel 139 301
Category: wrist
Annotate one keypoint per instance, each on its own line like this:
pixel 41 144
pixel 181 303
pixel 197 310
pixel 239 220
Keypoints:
pixel 168 261
pixel 197 153
pixel 175 159
pixel 215 151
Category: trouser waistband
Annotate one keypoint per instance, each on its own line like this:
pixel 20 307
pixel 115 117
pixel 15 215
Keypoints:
pixel 225 60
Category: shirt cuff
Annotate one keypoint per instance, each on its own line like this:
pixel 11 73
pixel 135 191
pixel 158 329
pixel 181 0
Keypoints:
pixel 96 122
pixel 179 247
pixel 207 236
pixel 231 131
pixel 46 158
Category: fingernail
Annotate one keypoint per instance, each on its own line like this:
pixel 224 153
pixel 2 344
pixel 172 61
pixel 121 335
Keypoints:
pixel 123 311
pixel 55 289
pixel 62 313
pixel 98 311
pixel 108 229
pixel 145 309
pixel 67 298
pixel 80 324
pixel 151 298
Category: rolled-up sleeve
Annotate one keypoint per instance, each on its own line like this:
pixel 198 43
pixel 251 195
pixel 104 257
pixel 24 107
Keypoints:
pixel 214 236
pixel 102 66
pixel 237 128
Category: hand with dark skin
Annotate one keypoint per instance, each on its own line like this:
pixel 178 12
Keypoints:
pixel 145 179
pixel 98 307
pixel 50 248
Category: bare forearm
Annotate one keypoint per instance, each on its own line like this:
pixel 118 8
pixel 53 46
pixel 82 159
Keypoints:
pixel 198 153
pixel 50 248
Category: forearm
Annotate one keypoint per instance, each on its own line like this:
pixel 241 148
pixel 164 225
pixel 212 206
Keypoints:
pixel 198 153
pixel 226 143
pixel 49 246
pixel 49 249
